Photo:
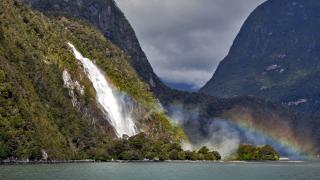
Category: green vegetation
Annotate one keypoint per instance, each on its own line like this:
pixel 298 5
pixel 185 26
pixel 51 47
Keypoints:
pixel 36 111
pixel 142 147
pixel 200 155
pixel 260 153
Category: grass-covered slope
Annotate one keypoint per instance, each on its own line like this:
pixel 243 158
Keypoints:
pixel 37 114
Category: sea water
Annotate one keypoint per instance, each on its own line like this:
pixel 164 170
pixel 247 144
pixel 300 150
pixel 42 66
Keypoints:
pixel 165 171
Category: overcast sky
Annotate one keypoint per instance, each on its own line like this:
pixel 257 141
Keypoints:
pixel 186 39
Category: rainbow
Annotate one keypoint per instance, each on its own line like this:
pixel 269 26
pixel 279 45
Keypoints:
pixel 285 143
pixel 255 126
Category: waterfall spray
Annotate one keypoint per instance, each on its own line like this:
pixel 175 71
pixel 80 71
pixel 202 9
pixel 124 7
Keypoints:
pixel 107 97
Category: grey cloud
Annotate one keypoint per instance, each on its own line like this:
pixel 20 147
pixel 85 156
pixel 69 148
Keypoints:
pixel 186 39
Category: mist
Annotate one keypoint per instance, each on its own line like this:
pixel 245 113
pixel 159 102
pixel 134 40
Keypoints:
pixel 222 135
pixel 216 134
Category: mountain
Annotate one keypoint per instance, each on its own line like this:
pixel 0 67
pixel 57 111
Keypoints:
pixel 50 95
pixel 275 56
pixel 109 19
pixel 206 119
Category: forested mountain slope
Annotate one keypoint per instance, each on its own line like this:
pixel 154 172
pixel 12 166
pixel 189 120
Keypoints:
pixel 275 56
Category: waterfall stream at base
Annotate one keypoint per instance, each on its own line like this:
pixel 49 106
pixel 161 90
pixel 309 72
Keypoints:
pixel 108 98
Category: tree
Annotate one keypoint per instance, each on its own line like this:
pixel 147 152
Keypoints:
pixel 151 155
pixel 174 146
pixel 267 152
pixel 201 157
pixel 102 155
pixel 3 150
pixel 125 155
pixel 181 155
pixel 217 155
pixel 209 157
pixel 191 155
pixel 262 153
pixel 138 141
pixel 203 150
pixel 130 155
pixel 246 152
pixel 173 155
pixel 118 147
pixel 163 156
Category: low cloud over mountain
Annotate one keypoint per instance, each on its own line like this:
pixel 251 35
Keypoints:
pixel 185 41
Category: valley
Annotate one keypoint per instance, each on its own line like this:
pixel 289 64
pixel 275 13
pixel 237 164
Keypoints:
pixel 75 84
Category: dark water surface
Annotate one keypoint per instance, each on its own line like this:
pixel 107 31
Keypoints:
pixel 166 171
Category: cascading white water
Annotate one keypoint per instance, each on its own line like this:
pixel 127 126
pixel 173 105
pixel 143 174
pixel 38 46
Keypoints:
pixel 116 113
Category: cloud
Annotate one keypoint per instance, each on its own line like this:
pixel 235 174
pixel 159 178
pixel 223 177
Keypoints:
pixel 186 40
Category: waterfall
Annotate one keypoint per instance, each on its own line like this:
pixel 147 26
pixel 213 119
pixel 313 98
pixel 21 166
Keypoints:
pixel 109 100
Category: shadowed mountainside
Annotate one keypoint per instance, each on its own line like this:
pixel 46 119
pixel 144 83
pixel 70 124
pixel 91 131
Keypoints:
pixel 275 56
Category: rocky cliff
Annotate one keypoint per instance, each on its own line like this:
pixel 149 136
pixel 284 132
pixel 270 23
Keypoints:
pixel 109 19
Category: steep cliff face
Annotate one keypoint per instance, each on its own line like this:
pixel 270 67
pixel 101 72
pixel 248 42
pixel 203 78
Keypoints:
pixel 108 18
pixel 47 102
pixel 275 56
